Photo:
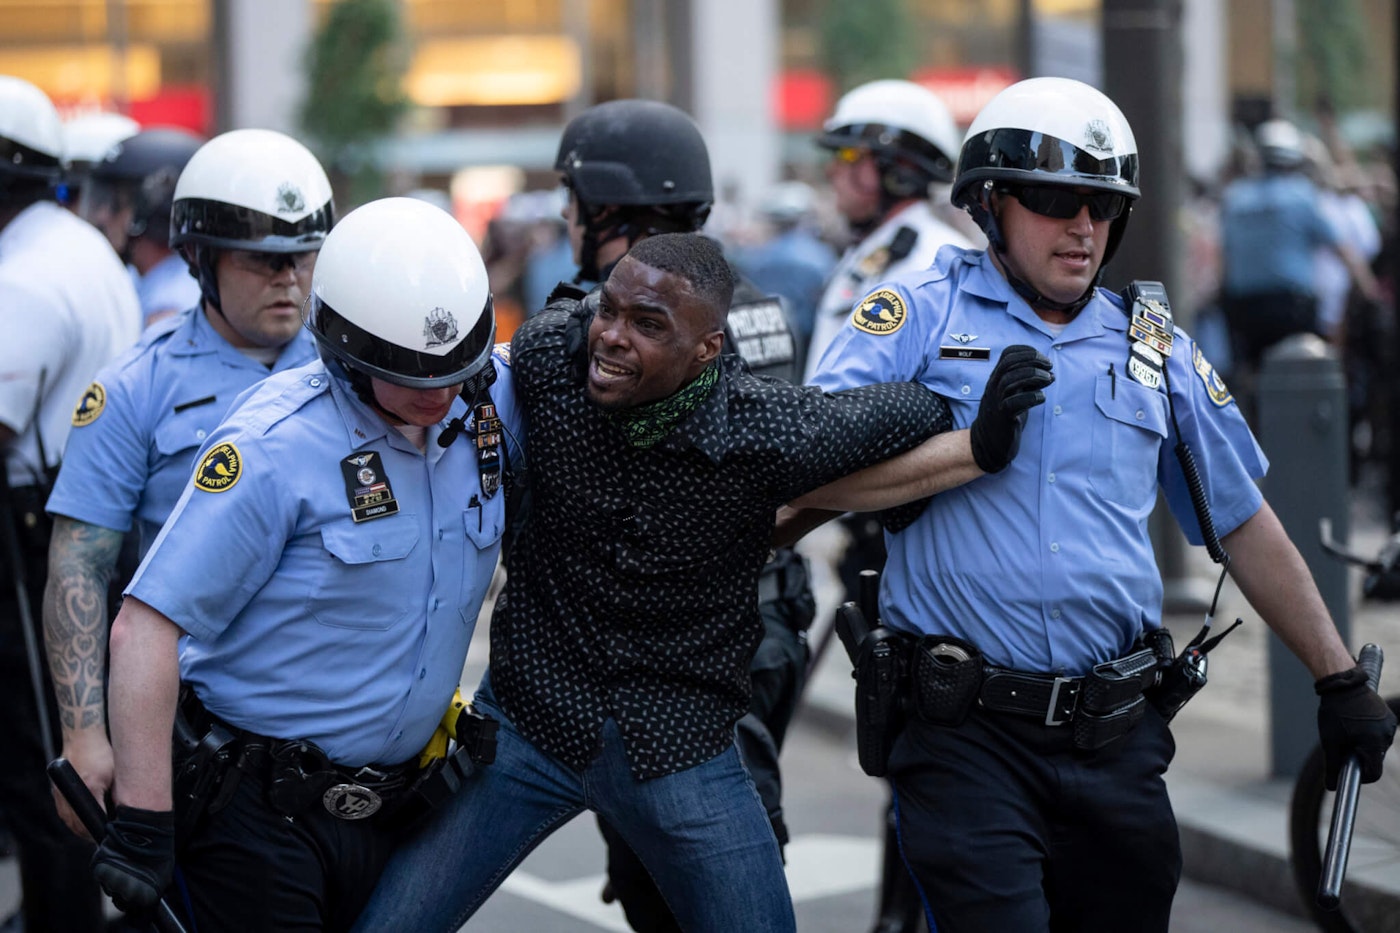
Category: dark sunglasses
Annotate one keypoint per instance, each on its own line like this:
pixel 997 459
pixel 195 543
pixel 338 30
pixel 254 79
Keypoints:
pixel 1064 203
pixel 271 263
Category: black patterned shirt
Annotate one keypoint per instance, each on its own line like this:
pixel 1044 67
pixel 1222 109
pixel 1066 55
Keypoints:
pixel 632 592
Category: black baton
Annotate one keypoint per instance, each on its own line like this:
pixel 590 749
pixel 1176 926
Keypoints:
pixel 33 637
pixel 85 805
pixel 1334 860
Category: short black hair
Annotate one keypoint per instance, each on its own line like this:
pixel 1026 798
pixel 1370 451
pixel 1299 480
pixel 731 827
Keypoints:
pixel 695 258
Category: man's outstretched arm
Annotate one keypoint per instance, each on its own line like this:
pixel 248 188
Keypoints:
pixel 939 463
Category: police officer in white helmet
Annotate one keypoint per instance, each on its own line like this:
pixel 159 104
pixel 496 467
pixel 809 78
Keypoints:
pixel 1028 775
pixel 321 578
pixel 67 307
pixel 142 420
pixel 891 142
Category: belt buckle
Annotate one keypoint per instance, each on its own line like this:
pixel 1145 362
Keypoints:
pixel 351 801
pixel 1053 706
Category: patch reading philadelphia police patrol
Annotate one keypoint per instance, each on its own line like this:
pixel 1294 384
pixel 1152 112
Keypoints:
pixel 880 314
pixel 367 487
pixel 90 405
pixel 220 469
pixel 1215 386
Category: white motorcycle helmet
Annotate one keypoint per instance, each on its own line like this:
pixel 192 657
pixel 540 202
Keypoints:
pixel 257 190
pixel 31 135
pixel 252 189
pixel 1047 132
pixel 905 126
pixel 400 293
pixel 1281 144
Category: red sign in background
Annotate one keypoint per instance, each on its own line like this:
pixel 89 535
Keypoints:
pixel 804 97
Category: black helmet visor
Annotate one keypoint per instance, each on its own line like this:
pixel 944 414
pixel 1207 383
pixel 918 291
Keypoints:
pixel 360 349
pixel 231 226
pixel 1031 158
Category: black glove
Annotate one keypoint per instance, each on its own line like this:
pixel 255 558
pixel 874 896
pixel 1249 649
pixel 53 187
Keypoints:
pixel 136 860
pixel 1013 388
pixel 1352 719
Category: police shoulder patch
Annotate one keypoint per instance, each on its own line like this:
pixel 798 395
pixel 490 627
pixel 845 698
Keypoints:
pixel 1215 386
pixel 501 351
pixel 220 469
pixel 90 406
pixel 880 313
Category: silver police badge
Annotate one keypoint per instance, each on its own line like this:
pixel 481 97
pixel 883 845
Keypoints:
pixel 351 802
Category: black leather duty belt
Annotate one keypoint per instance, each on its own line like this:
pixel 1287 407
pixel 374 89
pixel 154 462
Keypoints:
pixel 297 774
pixel 1052 699
pixel 1107 690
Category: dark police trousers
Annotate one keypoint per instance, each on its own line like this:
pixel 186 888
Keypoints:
pixel 1006 826
pixel 248 864
pixel 58 891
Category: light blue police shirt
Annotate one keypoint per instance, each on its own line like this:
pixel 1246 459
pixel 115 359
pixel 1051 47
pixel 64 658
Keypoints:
pixel 301 622
pixel 1270 227
pixel 167 286
pixel 1046 566
pixel 141 422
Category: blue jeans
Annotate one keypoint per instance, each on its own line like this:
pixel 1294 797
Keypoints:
pixel 702 833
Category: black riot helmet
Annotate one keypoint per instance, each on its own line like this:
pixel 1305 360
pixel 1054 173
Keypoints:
pixel 140 172
pixel 636 167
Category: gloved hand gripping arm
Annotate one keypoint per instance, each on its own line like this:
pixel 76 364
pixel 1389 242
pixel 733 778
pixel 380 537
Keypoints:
pixel 1012 390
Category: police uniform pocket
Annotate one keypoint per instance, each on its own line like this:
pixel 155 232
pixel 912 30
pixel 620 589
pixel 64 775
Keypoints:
pixel 486 521
pixel 361 584
pixel 185 431
pixel 962 381
pixel 1127 441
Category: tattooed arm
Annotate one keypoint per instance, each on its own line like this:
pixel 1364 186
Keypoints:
pixel 81 559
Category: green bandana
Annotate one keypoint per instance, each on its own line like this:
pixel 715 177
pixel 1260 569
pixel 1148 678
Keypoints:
pixel 647 424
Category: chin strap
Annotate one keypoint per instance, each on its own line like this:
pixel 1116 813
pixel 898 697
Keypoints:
pixel 984 217
pixel 1035 299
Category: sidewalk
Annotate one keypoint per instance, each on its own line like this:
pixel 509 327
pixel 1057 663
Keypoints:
pixel 1233 816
